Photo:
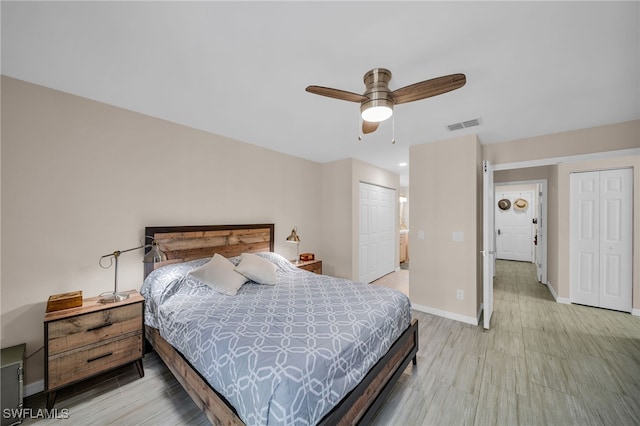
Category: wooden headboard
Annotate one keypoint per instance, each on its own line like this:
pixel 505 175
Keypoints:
pixel 185 243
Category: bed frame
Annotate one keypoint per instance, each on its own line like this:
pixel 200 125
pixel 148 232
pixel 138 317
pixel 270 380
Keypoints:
pixel 184 243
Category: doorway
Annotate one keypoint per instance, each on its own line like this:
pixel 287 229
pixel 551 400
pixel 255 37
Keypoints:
pixel 377 251
pixel 521 232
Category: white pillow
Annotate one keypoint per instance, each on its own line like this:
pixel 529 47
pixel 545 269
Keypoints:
pixel 219 274
pixel 257 269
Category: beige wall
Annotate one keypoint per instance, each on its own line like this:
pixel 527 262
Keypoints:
pixel 81 179
pixel 524 174
pixel 612 137
pixel 337 215
pixel 479 228
pixel 553 255
pixel 445 197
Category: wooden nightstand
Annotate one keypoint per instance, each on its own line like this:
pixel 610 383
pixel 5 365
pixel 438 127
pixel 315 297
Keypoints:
pixel 91 339
pixel 311 265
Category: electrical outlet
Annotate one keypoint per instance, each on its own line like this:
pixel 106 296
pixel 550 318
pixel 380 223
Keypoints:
pixel 460 294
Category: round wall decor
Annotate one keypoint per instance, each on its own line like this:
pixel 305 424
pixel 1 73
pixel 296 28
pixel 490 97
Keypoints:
pixel 504 204
pixel 520 204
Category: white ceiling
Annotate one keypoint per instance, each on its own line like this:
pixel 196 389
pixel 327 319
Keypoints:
pixel 239 69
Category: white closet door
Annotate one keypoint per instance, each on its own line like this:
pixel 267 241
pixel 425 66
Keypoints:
pixel 601 239
pixel 377 232
pixel 584 238
pixel 616 239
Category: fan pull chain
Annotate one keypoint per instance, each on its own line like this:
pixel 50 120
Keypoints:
pixel 393 129
pixel 359 126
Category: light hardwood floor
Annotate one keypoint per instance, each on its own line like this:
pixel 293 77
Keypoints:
pixel 542 363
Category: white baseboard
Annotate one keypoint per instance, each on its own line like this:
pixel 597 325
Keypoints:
pixel 566 301
pixel 562 300
pixel 34 388
pixel 445 314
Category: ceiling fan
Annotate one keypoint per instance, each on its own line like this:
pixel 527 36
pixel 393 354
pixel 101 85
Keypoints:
pixel 376 104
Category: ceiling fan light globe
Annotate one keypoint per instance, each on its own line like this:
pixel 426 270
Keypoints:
pixel 375 114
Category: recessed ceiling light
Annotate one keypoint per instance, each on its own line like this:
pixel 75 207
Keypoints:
pixel 402 164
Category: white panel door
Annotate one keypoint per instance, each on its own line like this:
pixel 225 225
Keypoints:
pixel 514 240
pixel 601 239
pixel 377 232
pixel 616 239
pixel 584 237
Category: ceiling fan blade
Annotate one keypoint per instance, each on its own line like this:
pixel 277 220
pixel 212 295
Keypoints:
pixel 336 93
pixel 428 88
pixel 369 127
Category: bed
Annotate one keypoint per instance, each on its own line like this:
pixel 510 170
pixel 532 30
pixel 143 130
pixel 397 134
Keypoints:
pixel 241 375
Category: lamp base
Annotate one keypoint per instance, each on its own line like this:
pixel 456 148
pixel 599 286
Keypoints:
pixel 112 297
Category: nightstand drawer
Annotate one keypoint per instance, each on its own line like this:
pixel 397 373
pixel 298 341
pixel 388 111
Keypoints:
pixel 75 332
pixel 85 362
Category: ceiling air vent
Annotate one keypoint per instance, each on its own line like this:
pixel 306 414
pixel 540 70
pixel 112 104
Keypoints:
pixel 464 124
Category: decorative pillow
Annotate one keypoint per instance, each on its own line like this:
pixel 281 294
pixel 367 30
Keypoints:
pixel 281 263
pixel 257 269
pixel 219 274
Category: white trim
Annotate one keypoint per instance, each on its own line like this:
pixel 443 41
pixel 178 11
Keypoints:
pixel 34 388
pixel 567 159
pixel 562 300
pixel 635 312
pixel 445 314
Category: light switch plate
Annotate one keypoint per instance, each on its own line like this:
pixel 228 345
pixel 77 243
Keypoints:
pixel 458 236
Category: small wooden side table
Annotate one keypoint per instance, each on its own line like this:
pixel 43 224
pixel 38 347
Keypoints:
pixel 90 339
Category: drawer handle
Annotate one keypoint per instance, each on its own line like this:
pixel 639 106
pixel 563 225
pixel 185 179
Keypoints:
pixel 107 324
pixel 99 357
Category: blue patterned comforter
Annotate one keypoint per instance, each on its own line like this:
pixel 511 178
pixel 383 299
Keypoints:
pixel 283 354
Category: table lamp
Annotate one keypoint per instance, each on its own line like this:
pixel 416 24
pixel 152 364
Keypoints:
pixel 153 256
pixel 294 238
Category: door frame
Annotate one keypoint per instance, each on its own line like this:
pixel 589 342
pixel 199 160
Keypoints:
pixel 488 242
